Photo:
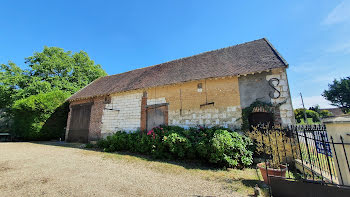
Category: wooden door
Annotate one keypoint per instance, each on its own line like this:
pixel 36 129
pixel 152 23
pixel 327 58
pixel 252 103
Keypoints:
pixel 157 115
pixel 79 123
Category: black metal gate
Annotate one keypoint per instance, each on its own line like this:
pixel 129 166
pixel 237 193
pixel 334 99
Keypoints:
pixel 314 163
pixel 79 123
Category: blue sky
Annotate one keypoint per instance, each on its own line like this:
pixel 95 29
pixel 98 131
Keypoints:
pixel 313 36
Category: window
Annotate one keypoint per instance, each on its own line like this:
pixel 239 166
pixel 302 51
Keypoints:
pixel 199 87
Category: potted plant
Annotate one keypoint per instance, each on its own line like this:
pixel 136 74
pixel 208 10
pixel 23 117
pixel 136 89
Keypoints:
pixel 273 143
pixel 276 170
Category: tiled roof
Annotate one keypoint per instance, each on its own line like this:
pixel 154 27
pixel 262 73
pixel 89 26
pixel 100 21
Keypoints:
pixel 250 57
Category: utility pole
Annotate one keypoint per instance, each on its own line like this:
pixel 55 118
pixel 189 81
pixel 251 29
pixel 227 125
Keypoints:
pixel 302 101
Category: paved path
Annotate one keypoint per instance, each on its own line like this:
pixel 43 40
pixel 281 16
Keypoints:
pixel 29 169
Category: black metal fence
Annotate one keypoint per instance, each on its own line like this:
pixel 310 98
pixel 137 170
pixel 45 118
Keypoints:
pixel 302 153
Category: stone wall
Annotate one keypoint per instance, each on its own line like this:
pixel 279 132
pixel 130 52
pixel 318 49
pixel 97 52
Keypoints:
pixel 254 87
pixel 123 113
pixel 207 102
pixel 185 102
pixel 285 112
pixel 229 117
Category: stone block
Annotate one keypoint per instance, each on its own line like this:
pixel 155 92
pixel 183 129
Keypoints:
pixel 283 83
pixel 290 114
pixel 268 77
pixel 283 114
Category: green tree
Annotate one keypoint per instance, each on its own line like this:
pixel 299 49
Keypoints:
pixel 30 96
pixel 299 115
pixel 338 94
pixel 321 113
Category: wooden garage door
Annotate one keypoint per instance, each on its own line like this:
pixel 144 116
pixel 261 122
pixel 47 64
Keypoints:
pixel 79 123
pixel 157 115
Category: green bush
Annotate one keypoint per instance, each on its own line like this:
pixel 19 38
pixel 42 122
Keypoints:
pixel 217 146
pixel 230 149
pixel 33 115
pixel 310 114
pixel 177 144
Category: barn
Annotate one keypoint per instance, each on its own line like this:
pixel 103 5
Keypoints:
pixel 208 89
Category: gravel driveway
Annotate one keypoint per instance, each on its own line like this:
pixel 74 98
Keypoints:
pixel 29 169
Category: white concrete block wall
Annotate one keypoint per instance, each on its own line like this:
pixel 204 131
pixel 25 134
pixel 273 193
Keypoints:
pixel 123 113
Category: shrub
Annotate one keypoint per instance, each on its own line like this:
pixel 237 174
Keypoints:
pixel 230 149
pixel 177 144
pixel 214 145
pixel 41 117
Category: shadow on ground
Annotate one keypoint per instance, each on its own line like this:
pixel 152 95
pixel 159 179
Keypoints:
pixel 187 164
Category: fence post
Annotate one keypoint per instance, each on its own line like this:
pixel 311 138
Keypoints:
pixel 338 129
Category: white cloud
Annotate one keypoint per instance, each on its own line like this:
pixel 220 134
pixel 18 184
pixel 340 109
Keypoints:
pixel 311 101
pixel 341 13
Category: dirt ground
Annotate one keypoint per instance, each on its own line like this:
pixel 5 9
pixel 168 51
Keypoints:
pixel 32 169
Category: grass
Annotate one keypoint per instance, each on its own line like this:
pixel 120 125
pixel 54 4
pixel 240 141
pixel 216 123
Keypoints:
pixel 241 181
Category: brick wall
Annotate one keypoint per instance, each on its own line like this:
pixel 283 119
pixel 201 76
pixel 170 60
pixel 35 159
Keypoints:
pixel 95 116
pixel 143 124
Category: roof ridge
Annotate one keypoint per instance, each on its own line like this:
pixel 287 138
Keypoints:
pixel 183 58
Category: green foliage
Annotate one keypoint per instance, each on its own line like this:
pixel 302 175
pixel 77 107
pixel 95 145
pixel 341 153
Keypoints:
pixel 30 114
pixel 325 113
pixel 230 149
pixel 214 145
pixel 321 113
pixel 338 94
pixel 314 114
pixel 89 145
pixel 299 115
pixel 177 144
pixel 35 97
